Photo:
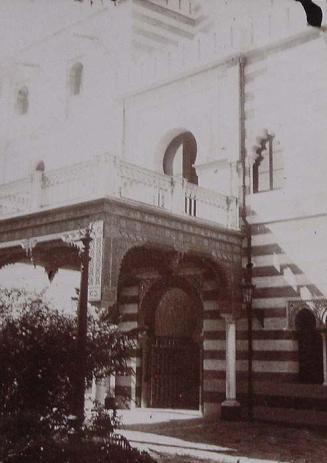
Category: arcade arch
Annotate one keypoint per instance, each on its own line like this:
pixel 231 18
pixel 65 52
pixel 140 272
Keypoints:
pixel 163 296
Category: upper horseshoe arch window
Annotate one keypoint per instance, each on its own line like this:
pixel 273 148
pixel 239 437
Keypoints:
pixel 180 157
pixel 268 168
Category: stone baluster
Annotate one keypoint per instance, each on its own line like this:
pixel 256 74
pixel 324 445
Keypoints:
pixel 36 187
pixel 178 195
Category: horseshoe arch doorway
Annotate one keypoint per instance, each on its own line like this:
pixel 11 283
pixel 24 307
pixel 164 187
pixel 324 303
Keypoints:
pixel 173 364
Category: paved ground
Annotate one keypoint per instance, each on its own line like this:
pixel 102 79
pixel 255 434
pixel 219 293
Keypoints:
pixel 183 437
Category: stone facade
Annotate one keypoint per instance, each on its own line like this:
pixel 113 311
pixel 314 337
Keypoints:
pixel 249 84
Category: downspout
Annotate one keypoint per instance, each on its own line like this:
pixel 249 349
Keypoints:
pixel 123 135
pixel 247 231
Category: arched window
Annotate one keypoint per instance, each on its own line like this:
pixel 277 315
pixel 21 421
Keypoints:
pixel 268 167
pixel 22 100
pixel 180 157
pixel 75 78
pixel 311 369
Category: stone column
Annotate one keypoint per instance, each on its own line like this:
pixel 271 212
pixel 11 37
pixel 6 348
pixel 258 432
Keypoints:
pixel 230 408
pixel 101 390
pixel 324 349
pixel 145 345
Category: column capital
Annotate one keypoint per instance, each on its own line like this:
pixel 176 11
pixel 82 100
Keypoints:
pixel 228 317
pixel 231 317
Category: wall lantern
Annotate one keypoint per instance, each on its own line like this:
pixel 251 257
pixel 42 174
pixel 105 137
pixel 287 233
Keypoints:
pixel 247 292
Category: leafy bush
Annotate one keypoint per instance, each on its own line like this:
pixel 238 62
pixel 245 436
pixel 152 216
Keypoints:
pixel 37 357
pixel 84 452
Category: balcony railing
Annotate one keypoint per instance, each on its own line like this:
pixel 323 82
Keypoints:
pixel 109 176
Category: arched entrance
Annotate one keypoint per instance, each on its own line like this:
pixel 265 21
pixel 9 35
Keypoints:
pixel 170 299
pixel 172 361
pixel 310 348
pixel 175 352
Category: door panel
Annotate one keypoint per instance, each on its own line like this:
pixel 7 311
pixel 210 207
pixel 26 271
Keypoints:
pixel 175 373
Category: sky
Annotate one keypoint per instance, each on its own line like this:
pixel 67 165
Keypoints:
pixel 34 279
pixel 25 22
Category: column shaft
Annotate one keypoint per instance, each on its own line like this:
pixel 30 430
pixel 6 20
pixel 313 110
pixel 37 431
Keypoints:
pixel 230 408
pixel 230 360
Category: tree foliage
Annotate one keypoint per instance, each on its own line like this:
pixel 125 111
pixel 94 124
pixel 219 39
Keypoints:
pixel 37 357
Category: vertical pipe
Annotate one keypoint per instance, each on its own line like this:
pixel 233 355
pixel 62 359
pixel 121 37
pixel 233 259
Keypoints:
pixel 271 162
pixel 247 229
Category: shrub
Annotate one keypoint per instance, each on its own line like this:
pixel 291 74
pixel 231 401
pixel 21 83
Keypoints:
pixel 37 357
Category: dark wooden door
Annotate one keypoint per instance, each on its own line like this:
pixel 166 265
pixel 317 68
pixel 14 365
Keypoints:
pixel 175 373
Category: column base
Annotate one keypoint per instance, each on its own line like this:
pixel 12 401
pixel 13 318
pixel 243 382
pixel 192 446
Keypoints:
pixel 230 410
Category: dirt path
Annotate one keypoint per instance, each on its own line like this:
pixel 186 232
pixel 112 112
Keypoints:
pixel 222 442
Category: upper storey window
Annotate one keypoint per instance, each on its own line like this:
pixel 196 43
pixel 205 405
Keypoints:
pixel 268 166
pixel 22 100
pixel 75 78
pixel 180 157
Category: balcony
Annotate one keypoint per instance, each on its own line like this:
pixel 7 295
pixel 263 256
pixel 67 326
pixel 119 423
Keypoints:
pixel 109 176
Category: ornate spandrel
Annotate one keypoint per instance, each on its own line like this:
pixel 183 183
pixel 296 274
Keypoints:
pixel 73 238
pixel 115 247
pixel 128 228
pixel 317 306
pixel 95 265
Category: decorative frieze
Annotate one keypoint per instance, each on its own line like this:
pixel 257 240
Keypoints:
pixel 126 227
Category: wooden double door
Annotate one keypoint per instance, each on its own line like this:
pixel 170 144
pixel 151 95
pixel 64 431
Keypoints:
pixel 174 373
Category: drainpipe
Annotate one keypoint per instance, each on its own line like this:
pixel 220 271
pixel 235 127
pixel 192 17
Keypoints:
pixel 247 230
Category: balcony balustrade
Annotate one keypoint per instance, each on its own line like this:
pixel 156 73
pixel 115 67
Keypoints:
pixel 110 176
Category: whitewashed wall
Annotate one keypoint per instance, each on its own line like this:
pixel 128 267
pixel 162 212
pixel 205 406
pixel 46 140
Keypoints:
pixel 60 128
pixel 205 104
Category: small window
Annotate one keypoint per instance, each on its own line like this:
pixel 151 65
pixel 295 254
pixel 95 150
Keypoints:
pixel 179 159
pixel 22 100
pixel 268 170
pixel 75 77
